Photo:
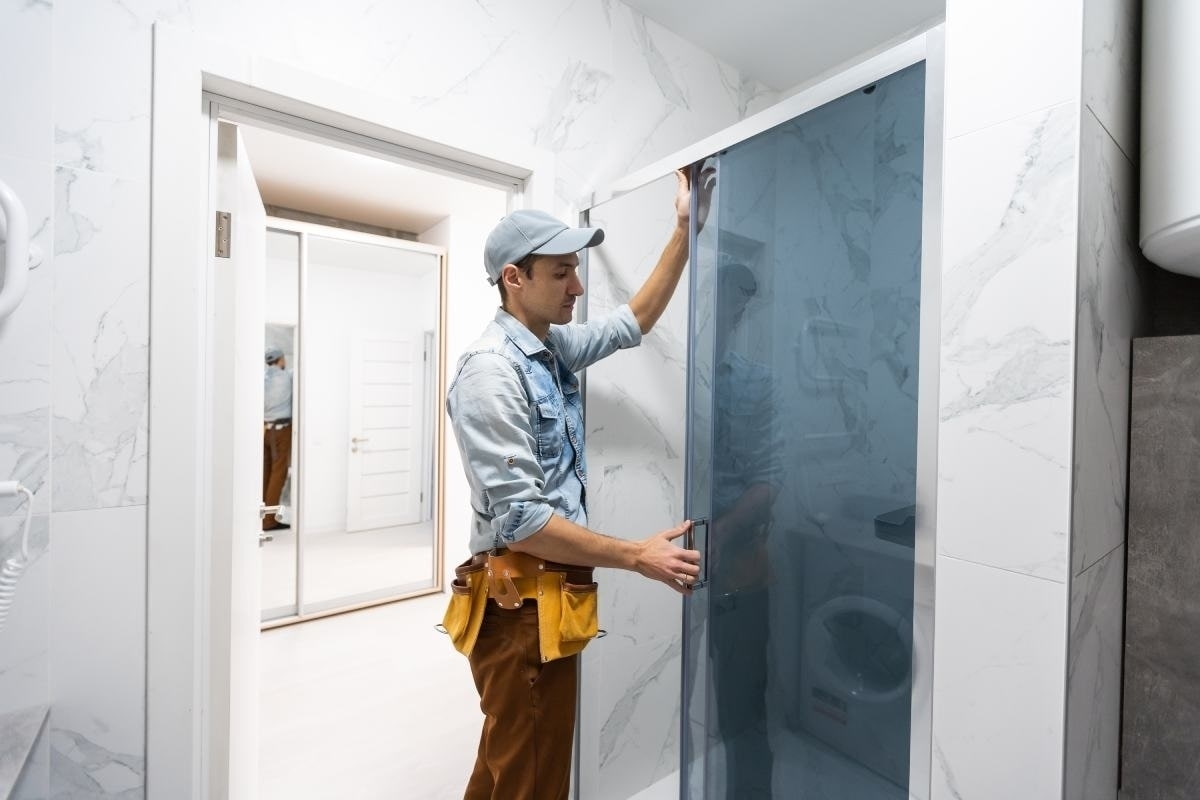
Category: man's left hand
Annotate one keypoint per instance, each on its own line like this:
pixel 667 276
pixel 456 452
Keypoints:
pixel 707 178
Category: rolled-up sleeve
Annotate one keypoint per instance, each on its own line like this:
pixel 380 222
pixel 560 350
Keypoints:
pixel 490 416
pixel 582 344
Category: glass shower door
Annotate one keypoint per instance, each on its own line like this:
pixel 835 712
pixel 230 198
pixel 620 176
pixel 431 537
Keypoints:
pixel 802 453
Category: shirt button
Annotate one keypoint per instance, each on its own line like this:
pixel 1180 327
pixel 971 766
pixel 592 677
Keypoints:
pixel 511 460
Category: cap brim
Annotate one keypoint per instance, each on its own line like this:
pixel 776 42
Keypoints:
pixel 572 240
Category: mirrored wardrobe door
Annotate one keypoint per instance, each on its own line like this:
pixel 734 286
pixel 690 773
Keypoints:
pixel 370 314
pixel 278 542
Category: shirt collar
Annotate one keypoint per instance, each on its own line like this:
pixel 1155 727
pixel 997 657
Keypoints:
pixel 521 336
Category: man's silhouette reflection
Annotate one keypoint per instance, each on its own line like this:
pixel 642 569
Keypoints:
pixel 746 477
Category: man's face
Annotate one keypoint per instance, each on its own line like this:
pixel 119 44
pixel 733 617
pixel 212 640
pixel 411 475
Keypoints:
pixel 549 293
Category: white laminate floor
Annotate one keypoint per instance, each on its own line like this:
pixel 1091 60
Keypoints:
pixel 345 566
pixel 368 705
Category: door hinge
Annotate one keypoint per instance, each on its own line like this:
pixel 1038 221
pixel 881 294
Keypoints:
pixel 224 225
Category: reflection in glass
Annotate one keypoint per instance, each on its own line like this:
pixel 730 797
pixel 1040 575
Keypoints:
pixel 807 285
pixel 281 312
pixel 348 422
pixel 369 313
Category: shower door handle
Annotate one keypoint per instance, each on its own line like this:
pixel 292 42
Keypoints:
pixel 689 542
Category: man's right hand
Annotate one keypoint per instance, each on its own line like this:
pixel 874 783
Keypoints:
pixel 660 560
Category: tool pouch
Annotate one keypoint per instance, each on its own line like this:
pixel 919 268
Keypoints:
pixel 565 594
pixel 567 616
pixel 468 601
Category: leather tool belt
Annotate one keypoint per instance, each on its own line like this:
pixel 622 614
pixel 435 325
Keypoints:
pixel 565 595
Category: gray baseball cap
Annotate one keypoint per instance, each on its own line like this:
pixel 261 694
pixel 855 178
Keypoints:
pixel 527 232
pixel 273 354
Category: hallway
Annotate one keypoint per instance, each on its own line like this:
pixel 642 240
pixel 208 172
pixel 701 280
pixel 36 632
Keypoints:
pixel 376 700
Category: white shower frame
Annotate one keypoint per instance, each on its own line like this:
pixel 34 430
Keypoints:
pixel 928 46
pixel 186 68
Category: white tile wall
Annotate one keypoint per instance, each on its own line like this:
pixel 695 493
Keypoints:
pixel 998 690
pixel 25 45
pixel 1111 68
pixel 1005 60
pixel 98 647
pixel 25 348
pixel 1094 679
pixel 1007 326
pixel 1111 310
pixel 101 322
pixel 101 87
pixel 24 637
pixel 635 434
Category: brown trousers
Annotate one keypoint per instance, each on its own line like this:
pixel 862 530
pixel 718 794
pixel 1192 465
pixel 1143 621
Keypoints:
pixel 277 457
pixel 529 711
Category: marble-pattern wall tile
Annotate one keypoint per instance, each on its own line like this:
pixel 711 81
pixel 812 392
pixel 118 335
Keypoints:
pixel 25 45
pixel 1111 311
pixel 25 634
pixel 628 77
pixel 25 643
pixel 101 322
pixel 1008 289
pixel 102 62
pixel 998 696
pixel 1112 38
pixel 19 734
pixel 635 440
pixel 1094 679
pixel 1006 60
pixel 34 783
pixel 25 345
pixel 98 633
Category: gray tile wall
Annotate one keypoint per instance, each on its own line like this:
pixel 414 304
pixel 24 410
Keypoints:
pixel 1161 740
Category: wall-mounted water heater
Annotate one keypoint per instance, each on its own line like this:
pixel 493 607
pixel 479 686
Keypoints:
pixel 1170 150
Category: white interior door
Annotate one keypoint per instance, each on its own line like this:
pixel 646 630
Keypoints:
pixel 238 288
pixel 386 373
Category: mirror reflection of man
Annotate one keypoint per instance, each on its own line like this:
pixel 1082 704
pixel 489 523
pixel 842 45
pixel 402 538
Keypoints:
pixel 746 478
pixel 277 431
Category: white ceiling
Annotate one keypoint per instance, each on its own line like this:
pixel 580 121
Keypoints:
pixel 323 179
pixel 784 43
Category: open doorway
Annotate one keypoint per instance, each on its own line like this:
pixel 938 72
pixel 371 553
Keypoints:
pixel 353 325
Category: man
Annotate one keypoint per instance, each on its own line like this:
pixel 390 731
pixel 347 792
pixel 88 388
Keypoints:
pixel 277 431
pixel 517 414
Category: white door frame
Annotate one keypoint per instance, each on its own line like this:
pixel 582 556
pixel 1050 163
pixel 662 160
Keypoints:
pixel 179 528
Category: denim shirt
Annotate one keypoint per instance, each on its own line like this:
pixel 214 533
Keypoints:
pixel 277 394
pixel 517 413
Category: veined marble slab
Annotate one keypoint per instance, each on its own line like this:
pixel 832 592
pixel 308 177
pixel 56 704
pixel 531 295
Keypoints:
pixel 18 733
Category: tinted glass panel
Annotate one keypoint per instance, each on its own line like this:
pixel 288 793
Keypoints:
pixel 802 443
